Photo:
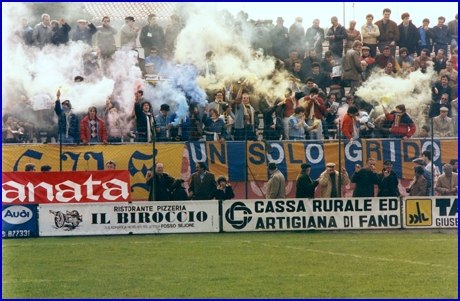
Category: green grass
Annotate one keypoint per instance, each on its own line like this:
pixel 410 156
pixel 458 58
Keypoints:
pixel 240 265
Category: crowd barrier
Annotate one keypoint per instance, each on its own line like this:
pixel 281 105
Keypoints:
pixel 244 164
pixel 70 216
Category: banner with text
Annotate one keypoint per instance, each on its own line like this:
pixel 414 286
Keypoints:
pixel 430 212
pixel 123 218
pixel 65 187
pixel 308 214
pixel 19 221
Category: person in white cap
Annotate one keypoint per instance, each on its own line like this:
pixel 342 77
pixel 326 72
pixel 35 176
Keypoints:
pixel 276 184
pixel 447 183
pixel 443 125
pixel 128 33
pixel 84 32
pixel 329 181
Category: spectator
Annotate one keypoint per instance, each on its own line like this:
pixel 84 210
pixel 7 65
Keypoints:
pixel 402 126
pixel 178 191
pixel 388 181
pixel 279 36
pixel 30 167
pixel 443 125
pixel 353 67
pixel 42 32
pixel 69 126
pixel 387 71
pixel 60 35
pixel 314 38
pixel 307 63
pixel 421 62
pixel 160 184
pixel 441 88
pixel 224 190
pixel 382 127
pixel 440 61
pixel 383 59
pixel 352 36
pixel 296 36
pixel 128 33
pixel 320 78
pixel 180 131
pixel 369 62
pixel 427 159
pixel 92 128
pixel 453 28
pixel 389 32
pixel 260 39
pixel 454 163
pixel 196 127
pixel 172 32
pixel 314 112
pixel 209 66
pixel 408 35
pixel 426 36
pixel 349 128
pixel 418 186
pixel 293 58
pixel 84 32
pixel 441 35
pixel 202 184
pixel 332 106
pixel 426 174
pixel 152 35
pixel 11 131
pixel 298 126
pixel 424 132
pixel 215 129
pixel 310 83
pixel 452 73
pixel 110 165
pixel 155 59
pixel 447 183
pixel 45 168
pixel 273 125
pixel 26 32
pixel 329 181
pixel 276 184
pixel 370 33
pixel 105 38
pixel 145 122
pixel 161 124
pixel 218 102
pixel 335 35
pixel 403 58
pixel 366 127
pixel 365 179
pixel 305 186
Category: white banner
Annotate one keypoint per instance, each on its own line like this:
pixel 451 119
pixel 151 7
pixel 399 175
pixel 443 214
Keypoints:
pixel 430 212
pixel 125 218
pixel 307 214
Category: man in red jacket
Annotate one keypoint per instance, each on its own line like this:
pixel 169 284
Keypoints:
pixel 92 128
pixel 402 125
pixel 314 111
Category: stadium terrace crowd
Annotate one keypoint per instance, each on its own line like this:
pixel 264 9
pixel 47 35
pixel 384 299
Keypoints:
pixel 320 83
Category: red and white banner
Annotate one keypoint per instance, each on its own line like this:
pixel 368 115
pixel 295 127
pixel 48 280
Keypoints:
pixel 65 187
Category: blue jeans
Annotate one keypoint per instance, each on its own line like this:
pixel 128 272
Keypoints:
pixel 66 140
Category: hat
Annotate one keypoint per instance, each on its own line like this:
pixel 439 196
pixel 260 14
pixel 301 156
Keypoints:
pixel 418 161
pixel 129 19
pixel 387 162
pixel 67 103
pixel 164 107
pixel 330 164
pixel 443 109
pixel 149 64
pixel 365 48
pixel 305 166
pixel 280 19
pixel 78 78
pixel 299 19
pixel 81 21
pixel 271 166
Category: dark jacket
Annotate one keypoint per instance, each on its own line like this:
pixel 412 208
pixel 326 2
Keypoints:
pixel 179 194
pixel 441 35
pixel 402 124
pixel 85 35
pixel 388 186
pixel 226 194
pixel 365 180
pixel 429 35
pixel 336 44
pixel 156 39
pixel 270 133
pixel 305 187
pixel 410 40
pixel 280 41
pixel 162 187
pixel 390 34
pixel 74 124
pixel 141 120
pixel 260 38
pixel 312 32
pixel 203 189
pixel 61 36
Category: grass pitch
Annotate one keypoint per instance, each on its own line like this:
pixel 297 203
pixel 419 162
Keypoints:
pixel 240 265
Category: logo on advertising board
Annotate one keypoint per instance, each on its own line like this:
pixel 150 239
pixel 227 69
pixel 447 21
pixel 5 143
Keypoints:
pixel 17 215
pixel 69 221
pixel 236 208
pixel 419 212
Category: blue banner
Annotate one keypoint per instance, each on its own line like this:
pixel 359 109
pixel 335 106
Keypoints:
pixel 19 221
